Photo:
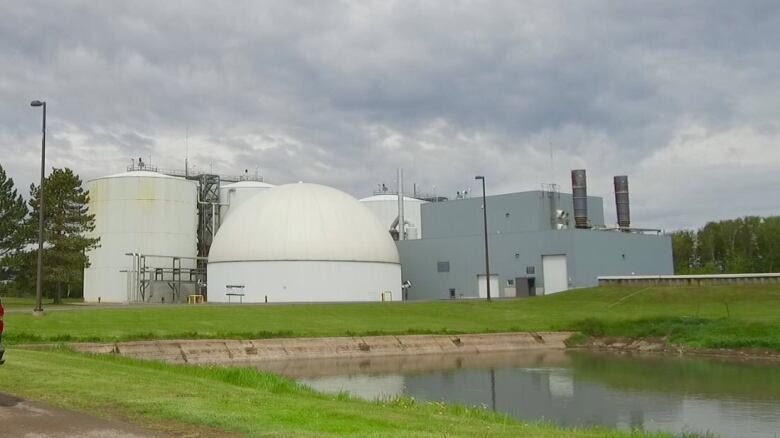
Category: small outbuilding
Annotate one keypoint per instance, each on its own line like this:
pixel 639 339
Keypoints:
pixel 303 243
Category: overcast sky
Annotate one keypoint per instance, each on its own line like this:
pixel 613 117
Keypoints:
pixel 684 97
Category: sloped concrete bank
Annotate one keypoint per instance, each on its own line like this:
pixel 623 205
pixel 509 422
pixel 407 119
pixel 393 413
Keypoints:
pixel 210 351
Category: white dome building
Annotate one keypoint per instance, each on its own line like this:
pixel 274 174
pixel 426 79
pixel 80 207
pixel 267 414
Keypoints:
pixel 303 243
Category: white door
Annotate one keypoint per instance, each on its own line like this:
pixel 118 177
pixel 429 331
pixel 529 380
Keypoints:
pixel 482 285
pixel 556 274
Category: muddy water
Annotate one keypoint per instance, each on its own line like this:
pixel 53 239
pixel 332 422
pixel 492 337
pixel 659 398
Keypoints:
pixel 726 398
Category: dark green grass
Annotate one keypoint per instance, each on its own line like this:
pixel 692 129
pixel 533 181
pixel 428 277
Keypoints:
pixel 691 331
pixel 710 317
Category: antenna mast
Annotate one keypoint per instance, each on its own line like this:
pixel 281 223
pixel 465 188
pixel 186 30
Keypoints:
pixel 187 152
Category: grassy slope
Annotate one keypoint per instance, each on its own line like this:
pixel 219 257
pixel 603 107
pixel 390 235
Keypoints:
pixel 715 316
pixel 242 400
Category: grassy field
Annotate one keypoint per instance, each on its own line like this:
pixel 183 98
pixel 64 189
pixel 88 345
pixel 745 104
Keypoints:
pixel 182 399
pixel 711 317
pixel 200 400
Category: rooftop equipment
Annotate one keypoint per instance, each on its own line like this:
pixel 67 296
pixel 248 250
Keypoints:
pixel 579 186
pixel 559 219
pixel 621 202
pixel 385 207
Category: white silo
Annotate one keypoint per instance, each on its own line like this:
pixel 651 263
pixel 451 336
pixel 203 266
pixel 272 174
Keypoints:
pixel 385 207
pixel 137 212
pixel 303 243
pixel 233 195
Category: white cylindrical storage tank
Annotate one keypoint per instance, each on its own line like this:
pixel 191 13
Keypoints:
pixel 137 212
pixel 385 207
pixel 303 243
pixel 233 195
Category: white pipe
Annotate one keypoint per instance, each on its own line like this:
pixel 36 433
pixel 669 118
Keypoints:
pixel 138 277
pixel 130 283
pixel 401 222
pixel 213 221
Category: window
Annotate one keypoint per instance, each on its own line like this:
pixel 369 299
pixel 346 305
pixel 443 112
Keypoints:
pixel 530 270
pixel 443 266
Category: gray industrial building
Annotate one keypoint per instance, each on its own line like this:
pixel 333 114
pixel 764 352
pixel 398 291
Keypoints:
pixel 534 247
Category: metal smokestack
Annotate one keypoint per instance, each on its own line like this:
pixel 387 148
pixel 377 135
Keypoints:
pixel 621 202
pixel 579 190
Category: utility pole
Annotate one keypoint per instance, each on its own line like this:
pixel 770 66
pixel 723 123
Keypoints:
pixel 39 281
pixel 484 221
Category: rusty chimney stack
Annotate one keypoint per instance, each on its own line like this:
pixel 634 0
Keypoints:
pixel 579 190
pixel 621 202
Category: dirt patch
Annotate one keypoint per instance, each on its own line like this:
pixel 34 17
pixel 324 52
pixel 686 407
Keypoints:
pixel 23 418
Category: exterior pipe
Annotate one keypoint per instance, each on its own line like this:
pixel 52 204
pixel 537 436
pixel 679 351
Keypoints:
pixel 395 224
pixel 401 222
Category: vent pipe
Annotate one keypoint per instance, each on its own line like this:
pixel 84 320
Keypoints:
pixel 579 190
pixel 401 221
pixel 621 202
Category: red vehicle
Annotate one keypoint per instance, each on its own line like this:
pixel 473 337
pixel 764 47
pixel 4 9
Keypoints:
pixel 2 350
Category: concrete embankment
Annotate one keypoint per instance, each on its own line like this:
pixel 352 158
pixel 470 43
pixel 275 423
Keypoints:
pixel 210 351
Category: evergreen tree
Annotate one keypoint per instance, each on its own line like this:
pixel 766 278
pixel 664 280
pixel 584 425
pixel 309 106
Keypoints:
pixel 13 211
pixel 66 224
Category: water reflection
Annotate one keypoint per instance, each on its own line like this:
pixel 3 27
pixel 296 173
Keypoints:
pixel 571 388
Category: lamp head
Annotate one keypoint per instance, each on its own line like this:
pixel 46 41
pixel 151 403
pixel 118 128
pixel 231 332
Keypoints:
pixel 479 177
pixel 37 103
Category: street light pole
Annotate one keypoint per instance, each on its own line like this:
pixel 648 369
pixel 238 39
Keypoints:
pixel 39 281
pixel 484 221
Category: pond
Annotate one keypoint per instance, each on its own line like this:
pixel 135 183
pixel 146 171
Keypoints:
pixel 677 394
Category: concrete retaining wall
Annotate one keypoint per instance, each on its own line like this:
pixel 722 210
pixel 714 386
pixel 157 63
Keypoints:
pixel 209 351
pixel 690 280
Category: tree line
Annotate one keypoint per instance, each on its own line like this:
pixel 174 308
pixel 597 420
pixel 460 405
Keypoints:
pixel 744 245
pixel 66 227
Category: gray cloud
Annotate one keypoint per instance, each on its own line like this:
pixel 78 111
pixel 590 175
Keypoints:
pixel 344 92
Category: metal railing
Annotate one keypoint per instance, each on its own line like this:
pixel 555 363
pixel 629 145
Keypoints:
pixel 138 167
